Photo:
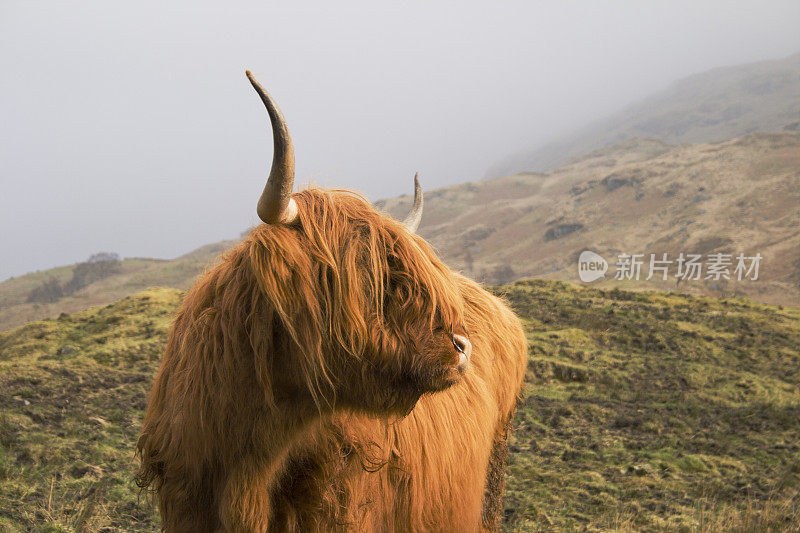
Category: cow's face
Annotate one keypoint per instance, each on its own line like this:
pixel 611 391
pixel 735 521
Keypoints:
pixel 420 339
pixel 375 318
pixel 393 314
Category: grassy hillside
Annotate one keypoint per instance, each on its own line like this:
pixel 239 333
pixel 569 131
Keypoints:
pixel 654 411
pixel 711 106
pixel 641 410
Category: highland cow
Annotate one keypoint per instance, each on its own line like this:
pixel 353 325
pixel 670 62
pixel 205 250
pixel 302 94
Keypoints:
pixel 331 373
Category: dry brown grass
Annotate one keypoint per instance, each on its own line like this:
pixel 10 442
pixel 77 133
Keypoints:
pixel 779 513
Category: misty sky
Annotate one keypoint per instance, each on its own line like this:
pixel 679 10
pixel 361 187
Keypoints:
pixel 130 127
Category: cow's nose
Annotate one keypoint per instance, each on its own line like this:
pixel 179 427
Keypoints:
pixel 464 349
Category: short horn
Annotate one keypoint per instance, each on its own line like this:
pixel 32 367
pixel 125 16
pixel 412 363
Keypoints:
pixel 413 219
pixel 276 204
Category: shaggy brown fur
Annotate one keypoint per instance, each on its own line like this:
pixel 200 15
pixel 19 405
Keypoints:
pixel 310 382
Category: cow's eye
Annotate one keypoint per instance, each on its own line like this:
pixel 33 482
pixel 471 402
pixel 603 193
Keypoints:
pixel 458 344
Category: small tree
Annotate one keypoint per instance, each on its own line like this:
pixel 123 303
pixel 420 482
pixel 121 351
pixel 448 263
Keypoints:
pixel 103 257
pixel 97 267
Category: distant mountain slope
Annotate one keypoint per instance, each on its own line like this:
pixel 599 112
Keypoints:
pixel 641 412
pixel 136 274
pixel 641 196
pixel 719 104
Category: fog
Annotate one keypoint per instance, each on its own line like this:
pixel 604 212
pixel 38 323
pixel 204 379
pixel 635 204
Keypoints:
pixel 131 127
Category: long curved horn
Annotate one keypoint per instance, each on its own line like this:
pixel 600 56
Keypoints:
pixel 276 204
pixel 415 216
